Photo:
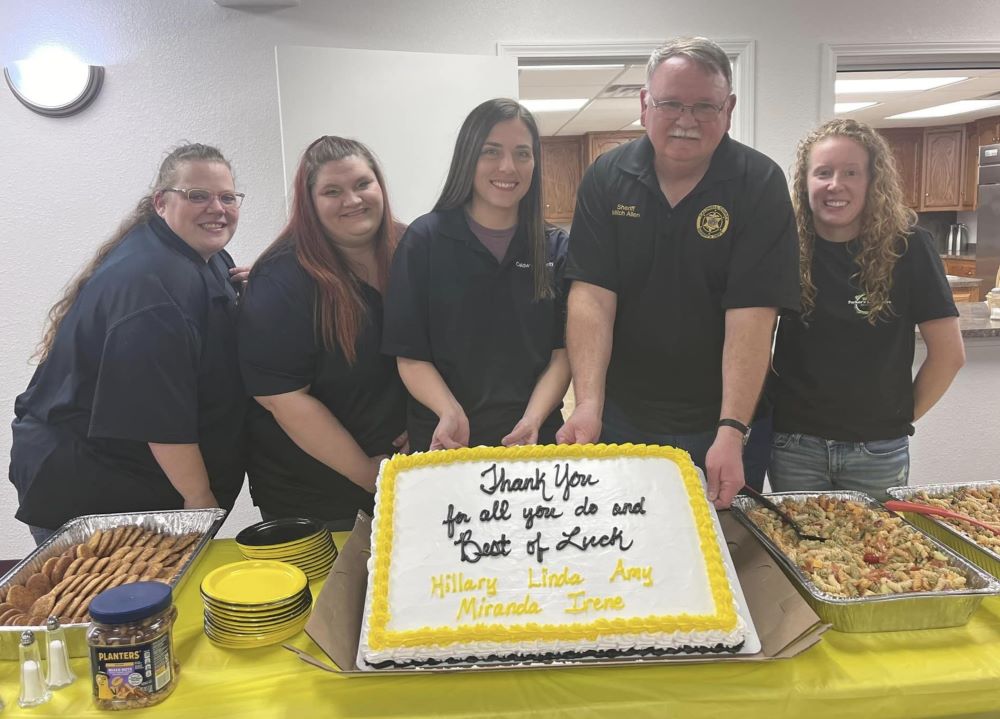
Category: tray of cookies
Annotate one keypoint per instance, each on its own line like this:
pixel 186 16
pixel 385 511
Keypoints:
pixel 96 552
pixel 979 500
pixel 875 572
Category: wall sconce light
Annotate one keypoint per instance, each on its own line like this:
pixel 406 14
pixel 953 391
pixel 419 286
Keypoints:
pixel 54 82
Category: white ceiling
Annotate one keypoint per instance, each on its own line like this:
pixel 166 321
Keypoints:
pixel 979 85
pixel 612 95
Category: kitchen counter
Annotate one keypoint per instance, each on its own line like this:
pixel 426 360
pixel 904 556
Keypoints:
pixel 969 254
pixel 974 319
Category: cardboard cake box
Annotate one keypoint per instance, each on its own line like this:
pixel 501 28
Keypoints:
pixel 785 623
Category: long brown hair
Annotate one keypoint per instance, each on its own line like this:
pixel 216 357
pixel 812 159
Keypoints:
pixel 886 222
pixel 143 212
pixel 340 307
pixel 458 186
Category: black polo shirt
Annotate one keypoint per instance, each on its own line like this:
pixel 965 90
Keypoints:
pixel 280 351
pixel 147 353
pixel 837 376
pixel 451 303
pixel 731 242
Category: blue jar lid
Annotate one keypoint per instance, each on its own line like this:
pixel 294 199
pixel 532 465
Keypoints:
pixel 130 602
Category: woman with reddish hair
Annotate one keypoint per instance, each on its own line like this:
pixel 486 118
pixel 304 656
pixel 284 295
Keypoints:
pixel 329 405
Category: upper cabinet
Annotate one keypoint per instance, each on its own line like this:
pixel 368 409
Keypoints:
pixel 939 166
pixel 564 158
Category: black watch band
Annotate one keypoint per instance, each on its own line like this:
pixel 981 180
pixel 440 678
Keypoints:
pixel 736 424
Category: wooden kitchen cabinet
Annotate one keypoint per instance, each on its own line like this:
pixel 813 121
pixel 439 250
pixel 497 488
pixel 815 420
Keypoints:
pixel 943 165
pixel 600 142
pixel 988 129
pixel 960 267
pixel 970 171
pixel 965 294
pixel 562 170
pixel 907 146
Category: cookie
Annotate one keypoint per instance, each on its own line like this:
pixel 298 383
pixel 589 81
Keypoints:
pixel 39 583
pixel 59 569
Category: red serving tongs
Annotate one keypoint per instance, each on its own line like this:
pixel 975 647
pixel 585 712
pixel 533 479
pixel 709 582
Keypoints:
pixel 897 505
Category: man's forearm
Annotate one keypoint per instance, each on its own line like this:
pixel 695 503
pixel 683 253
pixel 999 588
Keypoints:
pixel 589 330
pixel 185 468
pixel 746 356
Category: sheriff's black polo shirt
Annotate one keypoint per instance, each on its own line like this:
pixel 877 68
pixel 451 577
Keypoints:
pixel 730 243
pixel 280 351
pixel 836 375
pixel 451 303
pixel 147 353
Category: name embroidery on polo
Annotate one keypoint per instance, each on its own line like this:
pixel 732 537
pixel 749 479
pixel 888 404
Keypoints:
pixel 527 265
pixel 626 211
pixel 712 222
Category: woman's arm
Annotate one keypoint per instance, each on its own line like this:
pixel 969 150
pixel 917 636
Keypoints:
pixel 549 391
pixel 945 357
pixel 319 434
pixel 185 468
pixel 425 383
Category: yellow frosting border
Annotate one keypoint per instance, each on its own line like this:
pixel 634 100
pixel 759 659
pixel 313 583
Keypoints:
pixel 380 638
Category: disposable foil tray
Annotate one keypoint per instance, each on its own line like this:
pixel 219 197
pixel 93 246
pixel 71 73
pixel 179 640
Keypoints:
pixel 181 521
pixel 894 612
pixel 947 533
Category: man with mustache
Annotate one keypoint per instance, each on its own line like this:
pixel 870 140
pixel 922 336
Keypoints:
pixel 682 250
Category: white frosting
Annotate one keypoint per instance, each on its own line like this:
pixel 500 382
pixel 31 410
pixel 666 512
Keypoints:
pixel 658 551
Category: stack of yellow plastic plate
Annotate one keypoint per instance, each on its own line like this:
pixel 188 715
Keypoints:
pixel 254 604
pixel 302 542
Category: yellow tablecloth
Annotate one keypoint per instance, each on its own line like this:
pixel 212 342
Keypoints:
pixel 932 673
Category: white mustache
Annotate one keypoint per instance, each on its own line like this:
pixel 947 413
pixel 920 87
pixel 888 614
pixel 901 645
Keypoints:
pixel 689 133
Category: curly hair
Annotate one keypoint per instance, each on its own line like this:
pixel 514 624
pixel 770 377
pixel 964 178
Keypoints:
pixel 886 222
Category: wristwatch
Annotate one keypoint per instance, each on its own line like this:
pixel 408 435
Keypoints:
pixel 736 424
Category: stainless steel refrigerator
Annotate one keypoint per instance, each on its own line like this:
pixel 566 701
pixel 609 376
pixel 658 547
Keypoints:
pixel 988 216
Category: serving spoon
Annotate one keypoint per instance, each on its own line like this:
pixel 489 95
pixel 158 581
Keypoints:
pixel 781 513
pixel 897 505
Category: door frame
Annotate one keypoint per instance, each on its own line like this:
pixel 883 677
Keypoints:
pixel 903 55
pixel 742 54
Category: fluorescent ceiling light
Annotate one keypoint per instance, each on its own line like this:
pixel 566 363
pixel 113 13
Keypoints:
pixel 950 108
pixel 840 108
pixel 555 104
pixel 893 84
pixel 637 123
pixel 570 67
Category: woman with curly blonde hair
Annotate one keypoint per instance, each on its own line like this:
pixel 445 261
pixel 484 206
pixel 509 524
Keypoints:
pixel 841 382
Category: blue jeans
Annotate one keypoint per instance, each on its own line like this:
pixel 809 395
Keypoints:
pixel 618 430
pixel 801 462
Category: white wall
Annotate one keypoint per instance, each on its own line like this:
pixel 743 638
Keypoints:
pixel 191 70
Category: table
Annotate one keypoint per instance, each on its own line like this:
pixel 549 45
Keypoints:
pixel 931 673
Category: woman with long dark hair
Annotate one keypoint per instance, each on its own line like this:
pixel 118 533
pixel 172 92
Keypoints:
pixel 137 403
pixel 329 404
pixel 841 382
pixel 475 312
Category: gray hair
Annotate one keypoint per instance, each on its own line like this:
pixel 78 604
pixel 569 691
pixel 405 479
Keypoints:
pixel 701 50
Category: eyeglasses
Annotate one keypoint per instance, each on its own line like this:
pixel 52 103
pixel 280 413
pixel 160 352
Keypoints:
pixel 196 196
pixel 672 109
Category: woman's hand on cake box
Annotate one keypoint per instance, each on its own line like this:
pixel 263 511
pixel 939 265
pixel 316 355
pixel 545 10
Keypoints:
pixel 724 467
pixel 524 432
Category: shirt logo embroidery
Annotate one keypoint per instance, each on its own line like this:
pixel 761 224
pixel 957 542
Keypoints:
pixel 626 211
pixel 712 222
pixel 527 265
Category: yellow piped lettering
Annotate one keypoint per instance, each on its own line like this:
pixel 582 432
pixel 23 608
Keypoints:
pixel 628 574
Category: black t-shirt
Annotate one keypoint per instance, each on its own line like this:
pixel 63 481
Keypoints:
pixel 730 243
pixel 451 303
pixel 147 353
pixel 281 351
pixel 836 375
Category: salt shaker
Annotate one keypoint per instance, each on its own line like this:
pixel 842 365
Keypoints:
pixel 59 674
pixel 33 689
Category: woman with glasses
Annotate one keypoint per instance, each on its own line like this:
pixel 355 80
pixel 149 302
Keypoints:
pixel 475 311
pixel 841 381
pixel 137 403
pixel 329 406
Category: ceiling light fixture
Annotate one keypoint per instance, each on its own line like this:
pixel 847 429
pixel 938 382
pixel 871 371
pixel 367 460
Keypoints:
pixel 555 104
pixel 532 68
pixel 950 108
pixel 893 84
pixel 841 108
pixel 54 82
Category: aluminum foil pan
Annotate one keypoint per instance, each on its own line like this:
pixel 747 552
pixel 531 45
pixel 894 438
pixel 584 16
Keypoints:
pixel 895 612
pixel 181 521
pixel 950 535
